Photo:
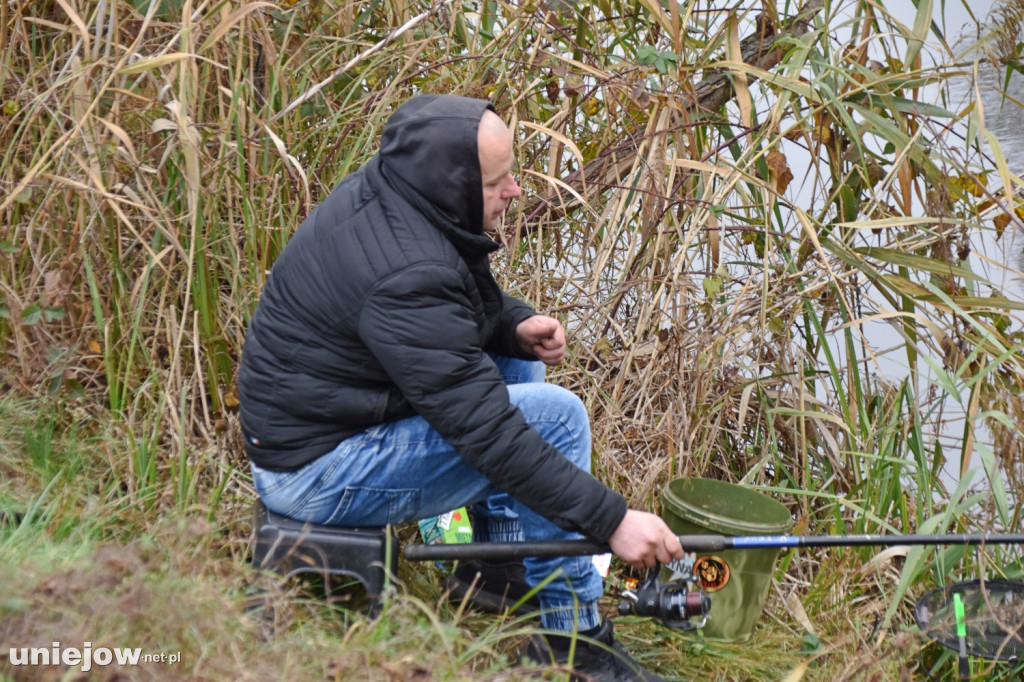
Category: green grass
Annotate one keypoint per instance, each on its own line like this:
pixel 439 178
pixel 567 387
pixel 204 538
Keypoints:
pixel 96 559
pixel 715 286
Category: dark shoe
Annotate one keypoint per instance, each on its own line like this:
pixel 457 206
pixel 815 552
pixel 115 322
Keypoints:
pixel 492 587
pixel 598 658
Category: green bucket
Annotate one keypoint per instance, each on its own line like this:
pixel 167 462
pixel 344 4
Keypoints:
pixel 737 581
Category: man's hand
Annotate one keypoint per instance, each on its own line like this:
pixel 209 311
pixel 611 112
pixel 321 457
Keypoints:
pixel 644 539
pixel 544 337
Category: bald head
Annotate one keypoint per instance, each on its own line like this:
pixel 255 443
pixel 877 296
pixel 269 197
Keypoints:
pixel 491 126
pixel 494 146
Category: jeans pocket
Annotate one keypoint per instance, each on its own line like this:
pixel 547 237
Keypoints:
pixel 360 506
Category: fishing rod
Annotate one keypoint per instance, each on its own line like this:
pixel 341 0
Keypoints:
pixel 696 543
pixel 683 603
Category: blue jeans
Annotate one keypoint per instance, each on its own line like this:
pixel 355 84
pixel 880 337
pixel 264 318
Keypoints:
pixel 405 471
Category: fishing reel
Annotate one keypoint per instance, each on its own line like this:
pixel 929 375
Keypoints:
pixel 675 605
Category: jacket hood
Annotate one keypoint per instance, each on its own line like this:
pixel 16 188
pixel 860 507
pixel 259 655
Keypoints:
pixel 428 152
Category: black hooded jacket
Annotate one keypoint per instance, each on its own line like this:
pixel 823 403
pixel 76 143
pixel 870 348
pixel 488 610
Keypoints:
pixel 382 306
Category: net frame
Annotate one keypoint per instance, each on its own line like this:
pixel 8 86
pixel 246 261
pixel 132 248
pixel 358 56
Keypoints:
pixel 992 621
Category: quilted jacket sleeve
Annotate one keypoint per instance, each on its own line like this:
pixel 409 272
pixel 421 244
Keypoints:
pixel 504 341
pixel 418 325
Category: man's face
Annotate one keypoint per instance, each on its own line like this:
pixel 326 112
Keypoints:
pixel 494 146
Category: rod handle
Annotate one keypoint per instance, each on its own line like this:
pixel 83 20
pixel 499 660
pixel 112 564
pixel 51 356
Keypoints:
pixel 502 551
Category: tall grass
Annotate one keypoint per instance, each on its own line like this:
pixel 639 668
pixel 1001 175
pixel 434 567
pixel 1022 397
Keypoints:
pixel 723 205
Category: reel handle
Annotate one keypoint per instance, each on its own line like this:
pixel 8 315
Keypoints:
pixel 672 603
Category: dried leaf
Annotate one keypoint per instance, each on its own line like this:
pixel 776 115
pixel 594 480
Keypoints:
pixel 878 562
pixel 1001 221
pixel 778 166
pixel 162 124
pixel 640 97
pixel 796 609
pixel 122 137
pixel 234 18
pixel 150 63
pixel 797 673
pixel 79 23
pixel 55 289
pixel 553 90
pixel 573 85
